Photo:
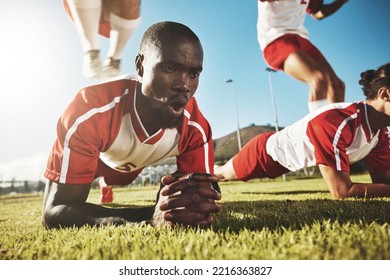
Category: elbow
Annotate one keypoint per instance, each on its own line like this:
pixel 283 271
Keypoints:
pixel 50 219
pixel 47 220
pixel 352 191
pixel 226 172
pixel 318 16
pixel 340 194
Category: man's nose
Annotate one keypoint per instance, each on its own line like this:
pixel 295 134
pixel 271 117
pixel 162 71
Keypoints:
pixel 182 83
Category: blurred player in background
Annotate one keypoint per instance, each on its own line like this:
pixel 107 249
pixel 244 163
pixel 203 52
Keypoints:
pixel 285 45
pixel 332 137
pixel 114 19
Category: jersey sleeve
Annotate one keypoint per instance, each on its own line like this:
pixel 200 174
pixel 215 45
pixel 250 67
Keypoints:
pixel 74 155
pixel 196 150
pixel 330 141
pixel 379 157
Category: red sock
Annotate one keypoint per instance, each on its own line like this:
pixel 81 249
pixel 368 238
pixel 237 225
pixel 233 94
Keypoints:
pixel 107 194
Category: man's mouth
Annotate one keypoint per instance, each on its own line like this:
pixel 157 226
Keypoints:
pixel 177 105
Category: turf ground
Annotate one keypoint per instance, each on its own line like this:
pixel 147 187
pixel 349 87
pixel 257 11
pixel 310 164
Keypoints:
pixel 270 219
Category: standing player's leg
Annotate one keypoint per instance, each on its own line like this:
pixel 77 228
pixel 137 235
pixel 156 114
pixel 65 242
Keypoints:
pixel 309 65
pixel 124 19
pixel 299 58
pixel 86 16
pixel 324 86
pixel 336 90
pixel 302 67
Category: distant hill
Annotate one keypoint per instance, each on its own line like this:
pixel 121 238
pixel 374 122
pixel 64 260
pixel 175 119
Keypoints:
pixel 227 146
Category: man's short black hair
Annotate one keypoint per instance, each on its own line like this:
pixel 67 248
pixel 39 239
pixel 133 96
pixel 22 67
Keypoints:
pixel 154 34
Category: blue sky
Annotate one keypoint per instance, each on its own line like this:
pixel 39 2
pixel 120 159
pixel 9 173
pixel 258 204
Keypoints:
pixel 41 66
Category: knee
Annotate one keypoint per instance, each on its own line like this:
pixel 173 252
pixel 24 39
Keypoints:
pixel 126 5
pixel 320 78
pixel 319 83
pixel 129 9
pixel 328 85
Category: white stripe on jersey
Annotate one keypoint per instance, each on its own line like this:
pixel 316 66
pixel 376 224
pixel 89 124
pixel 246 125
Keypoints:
pixel 205 145
pixel 337 138
pixel 368 123
pixel 73 128
pixel 293 149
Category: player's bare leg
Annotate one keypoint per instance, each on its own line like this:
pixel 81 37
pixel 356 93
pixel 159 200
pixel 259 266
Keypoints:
pixel 324 86
pixel 336 89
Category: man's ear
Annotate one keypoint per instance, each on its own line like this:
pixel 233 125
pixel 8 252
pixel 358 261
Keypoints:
pixel 139 64
pixel 384 94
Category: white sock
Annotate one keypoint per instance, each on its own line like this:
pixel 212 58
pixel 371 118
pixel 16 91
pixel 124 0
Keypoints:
pixel 121 31
pixel 314 105
pixel 86 17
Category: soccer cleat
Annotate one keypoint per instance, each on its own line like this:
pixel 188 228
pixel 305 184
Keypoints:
pixel 111 67
pixel 92 65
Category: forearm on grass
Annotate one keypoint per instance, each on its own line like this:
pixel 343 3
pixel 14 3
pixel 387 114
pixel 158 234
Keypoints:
pixel 341 186
pixel 366 190
pixel 79 214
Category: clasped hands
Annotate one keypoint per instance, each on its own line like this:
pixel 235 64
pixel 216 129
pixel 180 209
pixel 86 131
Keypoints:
pixel 187 199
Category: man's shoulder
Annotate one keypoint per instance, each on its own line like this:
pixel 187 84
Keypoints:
pixel 104 92
pixel 116 84
pixel 338 110
pixel 192 111
pixel 191 107
pixel 193 117
pixel 100 98
pixel 336 117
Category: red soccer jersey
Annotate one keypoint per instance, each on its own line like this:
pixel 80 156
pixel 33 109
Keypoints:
pixel 335 135
pixel 100 134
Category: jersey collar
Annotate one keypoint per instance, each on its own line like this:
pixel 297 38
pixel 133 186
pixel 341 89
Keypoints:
pixel 139 128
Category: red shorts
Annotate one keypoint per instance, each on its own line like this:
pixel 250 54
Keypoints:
pixel 254 162
pixel 276 53
pixel 104 25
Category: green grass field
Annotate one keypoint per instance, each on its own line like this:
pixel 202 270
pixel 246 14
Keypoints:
pixel 274 220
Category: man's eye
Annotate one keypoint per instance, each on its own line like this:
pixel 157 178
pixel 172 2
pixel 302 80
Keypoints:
pixel 194 74
pixel 170 69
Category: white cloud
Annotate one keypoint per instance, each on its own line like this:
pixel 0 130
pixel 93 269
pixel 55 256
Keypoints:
pixel 31 168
